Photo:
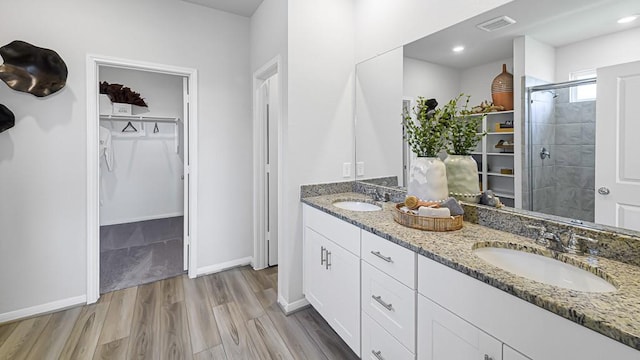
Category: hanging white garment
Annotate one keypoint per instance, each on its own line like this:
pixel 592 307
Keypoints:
pixel 106 149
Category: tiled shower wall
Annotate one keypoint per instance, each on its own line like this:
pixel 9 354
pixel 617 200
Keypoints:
pixel 564 184
pixel 575 139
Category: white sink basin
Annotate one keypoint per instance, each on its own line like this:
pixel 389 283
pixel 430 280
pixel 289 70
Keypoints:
pixel 357 206
pixel 544 269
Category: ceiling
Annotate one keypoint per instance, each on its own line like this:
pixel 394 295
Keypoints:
pixel 238 7
pixel 555 22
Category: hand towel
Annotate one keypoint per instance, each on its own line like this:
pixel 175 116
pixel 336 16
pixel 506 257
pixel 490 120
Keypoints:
pixel 106 148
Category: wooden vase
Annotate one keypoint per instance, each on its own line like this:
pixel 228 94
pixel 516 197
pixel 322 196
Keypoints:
pixel 502 89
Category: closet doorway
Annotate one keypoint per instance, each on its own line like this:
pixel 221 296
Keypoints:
pixel 141 208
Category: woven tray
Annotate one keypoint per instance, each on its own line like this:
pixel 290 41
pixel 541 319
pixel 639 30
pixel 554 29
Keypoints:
pixel 426 223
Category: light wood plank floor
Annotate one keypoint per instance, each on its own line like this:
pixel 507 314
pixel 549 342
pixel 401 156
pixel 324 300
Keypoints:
pixel 228 315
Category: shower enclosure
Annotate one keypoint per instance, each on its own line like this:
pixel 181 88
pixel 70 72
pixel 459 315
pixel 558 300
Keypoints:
pixel 560 156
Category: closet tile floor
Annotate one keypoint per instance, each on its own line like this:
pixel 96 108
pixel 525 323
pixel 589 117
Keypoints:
pixel 139 253
pixel 227 315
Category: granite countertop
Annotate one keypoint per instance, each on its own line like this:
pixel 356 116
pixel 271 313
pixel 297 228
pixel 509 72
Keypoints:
pixel 615 314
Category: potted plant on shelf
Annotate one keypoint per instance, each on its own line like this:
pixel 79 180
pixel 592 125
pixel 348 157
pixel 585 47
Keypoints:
pixel 426 137
pixel 463 135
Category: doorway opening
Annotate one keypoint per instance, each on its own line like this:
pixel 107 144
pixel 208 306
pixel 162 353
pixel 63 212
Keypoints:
pixel 141 196
pixel 267 164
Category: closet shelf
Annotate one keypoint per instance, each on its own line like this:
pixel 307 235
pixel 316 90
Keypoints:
pixel 140 118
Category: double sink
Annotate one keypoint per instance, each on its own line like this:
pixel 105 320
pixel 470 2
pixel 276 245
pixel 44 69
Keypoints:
pixel 545 268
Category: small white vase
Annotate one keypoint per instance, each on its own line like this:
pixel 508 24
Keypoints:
pixel 462 178
pixel 428 179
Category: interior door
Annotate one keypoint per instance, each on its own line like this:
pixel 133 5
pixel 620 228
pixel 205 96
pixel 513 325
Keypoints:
pixel 272 169
pixel 184 152
pixel 617 200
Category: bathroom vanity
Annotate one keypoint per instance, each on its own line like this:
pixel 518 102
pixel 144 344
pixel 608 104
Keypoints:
pixel 393 292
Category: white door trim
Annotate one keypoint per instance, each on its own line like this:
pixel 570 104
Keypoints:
pixel 269 69
pixel 93 163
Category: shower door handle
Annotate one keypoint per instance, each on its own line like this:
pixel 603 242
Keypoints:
pixel 604 191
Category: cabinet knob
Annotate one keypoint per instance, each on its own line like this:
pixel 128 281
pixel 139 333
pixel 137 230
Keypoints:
pixel 604 191
pixel 487 357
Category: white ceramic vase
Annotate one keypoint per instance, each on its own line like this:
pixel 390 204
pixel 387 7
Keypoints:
pixel 462 178
pixel 428 179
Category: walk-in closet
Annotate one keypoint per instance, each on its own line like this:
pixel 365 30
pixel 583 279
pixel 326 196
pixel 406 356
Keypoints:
pixel 142 187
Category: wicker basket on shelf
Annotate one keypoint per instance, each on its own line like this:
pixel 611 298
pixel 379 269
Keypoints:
pixel 425 222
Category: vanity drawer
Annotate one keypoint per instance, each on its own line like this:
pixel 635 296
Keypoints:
pixel 378 344
pixel 390 303
pixel 393 259
pixel 340 232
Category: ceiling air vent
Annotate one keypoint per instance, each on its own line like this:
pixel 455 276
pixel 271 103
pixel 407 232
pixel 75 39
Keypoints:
pixel 496 24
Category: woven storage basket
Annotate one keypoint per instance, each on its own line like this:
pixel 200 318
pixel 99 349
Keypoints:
pixel 426 223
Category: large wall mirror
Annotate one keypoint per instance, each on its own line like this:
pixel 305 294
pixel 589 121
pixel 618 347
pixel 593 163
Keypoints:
pixel 576 79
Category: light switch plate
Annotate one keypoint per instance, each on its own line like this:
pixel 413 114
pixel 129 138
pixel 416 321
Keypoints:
pixel 360 168
pixel 346 169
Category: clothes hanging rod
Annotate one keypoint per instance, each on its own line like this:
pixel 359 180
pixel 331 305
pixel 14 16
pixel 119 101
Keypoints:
pixel 139 118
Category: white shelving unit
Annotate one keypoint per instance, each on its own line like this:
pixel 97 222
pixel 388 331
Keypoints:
pixel 492 161
pixel 167 130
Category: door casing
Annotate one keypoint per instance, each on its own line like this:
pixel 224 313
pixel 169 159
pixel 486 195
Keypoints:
pixel 93 164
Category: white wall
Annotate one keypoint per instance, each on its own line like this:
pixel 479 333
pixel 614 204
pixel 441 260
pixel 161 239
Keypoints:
pixel 607 50
pixel 476 81
pixel 382 25
pixel 145 181
pixel 539 59
pixel 43 162
pixel 429 80
pixel 320 117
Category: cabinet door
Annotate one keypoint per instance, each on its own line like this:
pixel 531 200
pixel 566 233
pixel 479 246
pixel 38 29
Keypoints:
pixel 344 287
pixel 378 344
pixel 510 354
pixel 444 336
pixel 316 276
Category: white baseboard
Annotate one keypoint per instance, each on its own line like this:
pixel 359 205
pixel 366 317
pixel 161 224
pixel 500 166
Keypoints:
pixel 141 218
pixel 223 266
pixel 43 308
pixel 290 308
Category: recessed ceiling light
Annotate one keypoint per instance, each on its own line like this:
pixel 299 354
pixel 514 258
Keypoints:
pixel 458 49
pixel 627 19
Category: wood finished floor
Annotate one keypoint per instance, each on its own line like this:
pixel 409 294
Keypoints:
pixel 228 315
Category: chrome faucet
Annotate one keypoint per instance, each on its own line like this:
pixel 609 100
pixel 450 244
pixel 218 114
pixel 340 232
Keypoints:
pixel 381 197
pixel 553 242
pixel 590 243
pixel 549 239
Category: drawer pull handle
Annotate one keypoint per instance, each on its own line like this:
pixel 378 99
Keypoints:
pixel 322 252
pixel 328 262
pixel 487 357
pixel 377 354
pixel 385 258
pixel 381 302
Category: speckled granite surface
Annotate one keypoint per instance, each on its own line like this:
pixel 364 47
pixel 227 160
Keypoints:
pixel 616 315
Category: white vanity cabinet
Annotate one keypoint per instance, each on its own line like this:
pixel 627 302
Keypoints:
pixel 444 336
pixel 332 272
pixel 463 309
pixel 388 299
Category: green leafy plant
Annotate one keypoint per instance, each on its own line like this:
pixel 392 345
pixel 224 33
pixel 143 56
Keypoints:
pixel 426 134
pixel 461 127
